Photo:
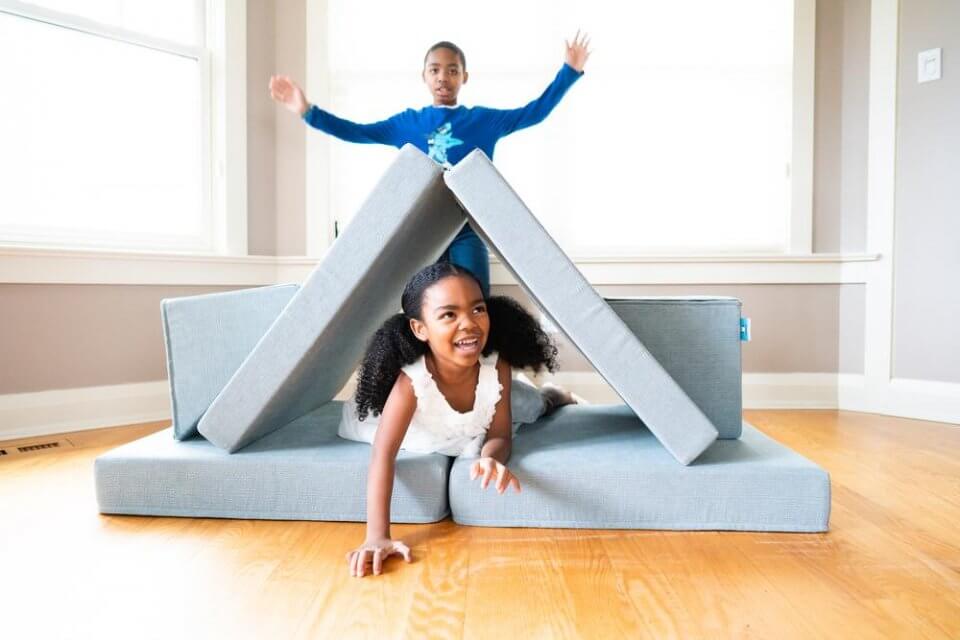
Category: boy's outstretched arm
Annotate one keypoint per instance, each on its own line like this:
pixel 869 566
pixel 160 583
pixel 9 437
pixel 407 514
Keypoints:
pixel 382 132
pixel 288 93
pixel 510 120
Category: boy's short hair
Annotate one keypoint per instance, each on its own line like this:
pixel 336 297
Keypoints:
pixel 444 44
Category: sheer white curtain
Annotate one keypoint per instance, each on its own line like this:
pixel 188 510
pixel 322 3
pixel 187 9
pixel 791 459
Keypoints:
pixel 101 119
pixel 677 139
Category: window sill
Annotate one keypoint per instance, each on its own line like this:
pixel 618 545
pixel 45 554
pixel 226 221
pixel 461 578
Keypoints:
pixel 40 265
pixel 35 265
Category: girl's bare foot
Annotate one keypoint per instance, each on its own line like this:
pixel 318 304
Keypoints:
pixel 555 397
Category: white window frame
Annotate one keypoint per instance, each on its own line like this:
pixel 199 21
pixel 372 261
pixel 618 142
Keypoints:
pixel 320 217
pixel 800 230
pixel 223 82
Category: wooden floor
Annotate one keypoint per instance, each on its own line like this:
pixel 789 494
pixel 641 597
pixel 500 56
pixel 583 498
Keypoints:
pixel 889 567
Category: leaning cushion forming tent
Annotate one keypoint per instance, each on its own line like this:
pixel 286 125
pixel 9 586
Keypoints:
pixel 309 352
pixel 254 374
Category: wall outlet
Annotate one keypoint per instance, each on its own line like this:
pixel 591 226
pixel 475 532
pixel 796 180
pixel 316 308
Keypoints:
pixel 928 65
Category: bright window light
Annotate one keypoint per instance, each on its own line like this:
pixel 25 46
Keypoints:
pixel 102 139
pixel 677 139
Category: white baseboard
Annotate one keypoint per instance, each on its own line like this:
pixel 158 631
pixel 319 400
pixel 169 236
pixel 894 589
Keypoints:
pixel 48 412
pixel 760 390
pixel 917 399
pixel 790 391
pixel 42 413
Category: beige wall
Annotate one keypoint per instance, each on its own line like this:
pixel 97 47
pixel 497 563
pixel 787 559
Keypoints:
pixel 291 35
pixel 276 156
pixel 840 126
pixel 64 336
pixel 261 131
pixel 56 336
pixel 927 237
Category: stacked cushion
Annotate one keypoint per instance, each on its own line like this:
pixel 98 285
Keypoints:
pixel 592 466
pixel 598 467
pixel 303 471
pixel 697 340
pixel 207 338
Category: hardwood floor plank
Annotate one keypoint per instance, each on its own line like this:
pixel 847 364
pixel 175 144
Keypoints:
pixel 554 583
pixel 389 605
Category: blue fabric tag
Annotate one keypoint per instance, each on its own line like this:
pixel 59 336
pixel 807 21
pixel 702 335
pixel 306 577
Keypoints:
pixel 745 329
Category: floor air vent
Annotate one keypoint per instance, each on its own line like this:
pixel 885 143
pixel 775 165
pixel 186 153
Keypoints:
pixel 12 448
pixel 36 447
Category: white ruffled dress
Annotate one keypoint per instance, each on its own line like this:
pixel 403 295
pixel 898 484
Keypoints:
pixel 436 427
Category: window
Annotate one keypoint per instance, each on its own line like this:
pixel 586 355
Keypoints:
pixel 677 140
pixel 105 137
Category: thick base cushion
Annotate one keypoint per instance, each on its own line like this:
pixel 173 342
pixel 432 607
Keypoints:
pixel 597 467
pixel 207 338
pixel 697 340
pixel 551 279
pixel 313 347
pixel 303 471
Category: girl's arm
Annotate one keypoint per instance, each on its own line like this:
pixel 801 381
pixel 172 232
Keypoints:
pixel 500 434
pixel 394 422
pixel 496 450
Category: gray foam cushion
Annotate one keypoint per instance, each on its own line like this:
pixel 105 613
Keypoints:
pixel 552 280
pixel 593 466
pixel 303 471
pixel 697 340
pixel 207 337
pixel 309 352
pixel 598 467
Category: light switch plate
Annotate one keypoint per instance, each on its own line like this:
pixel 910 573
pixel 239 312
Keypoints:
pixel 928 65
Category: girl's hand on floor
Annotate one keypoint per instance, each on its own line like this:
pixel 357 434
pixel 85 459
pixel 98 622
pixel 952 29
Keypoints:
pixel 375 551
pixel 289 94
pixel 488 467
pixel 577 53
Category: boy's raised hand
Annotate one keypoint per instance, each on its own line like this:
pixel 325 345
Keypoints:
pixel 577 53
pixel 289 94
pixel 489 467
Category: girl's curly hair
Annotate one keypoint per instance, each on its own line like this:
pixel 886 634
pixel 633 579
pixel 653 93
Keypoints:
pixel 514 334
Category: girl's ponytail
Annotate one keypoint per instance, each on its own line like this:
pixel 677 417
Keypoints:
pixel 518 337
pixel 392 346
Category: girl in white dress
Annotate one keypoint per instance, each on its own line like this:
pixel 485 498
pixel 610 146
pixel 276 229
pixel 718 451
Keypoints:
pixel 438 378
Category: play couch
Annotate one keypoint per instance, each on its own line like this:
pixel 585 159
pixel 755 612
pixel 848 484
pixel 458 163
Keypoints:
pixel 254 374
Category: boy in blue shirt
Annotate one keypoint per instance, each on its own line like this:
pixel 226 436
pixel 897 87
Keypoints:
pixel 445 130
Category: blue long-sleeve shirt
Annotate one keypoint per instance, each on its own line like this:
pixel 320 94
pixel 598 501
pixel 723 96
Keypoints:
pixel 447 134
